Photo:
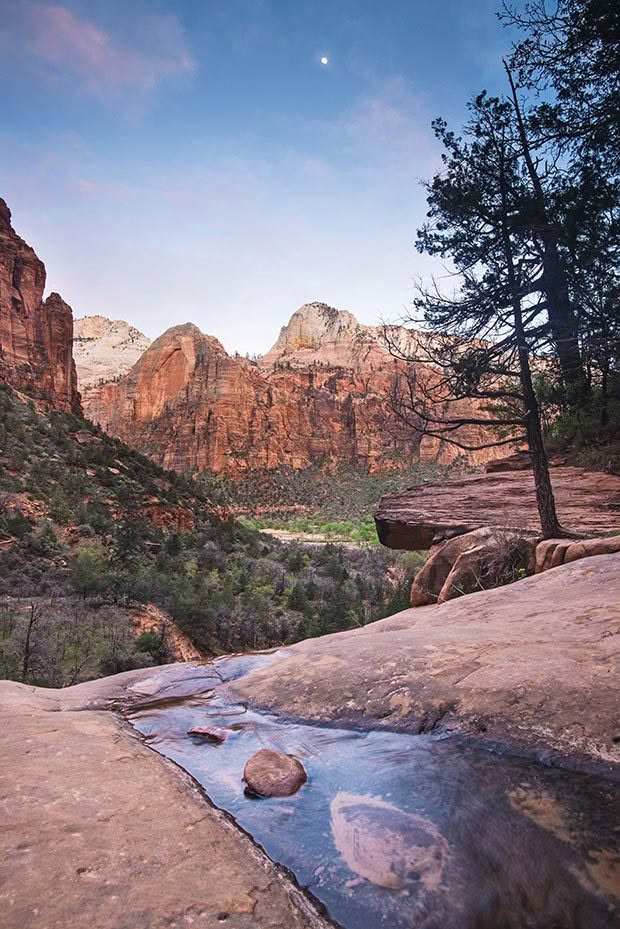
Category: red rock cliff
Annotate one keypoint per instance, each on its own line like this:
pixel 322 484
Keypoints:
pixel 36 335
pixel 319 397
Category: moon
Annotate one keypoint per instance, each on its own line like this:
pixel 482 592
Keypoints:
pixel 324 60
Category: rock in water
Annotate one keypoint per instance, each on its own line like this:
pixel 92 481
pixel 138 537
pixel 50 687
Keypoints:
pixel 386 845
pixel 273 774
pixel 209 734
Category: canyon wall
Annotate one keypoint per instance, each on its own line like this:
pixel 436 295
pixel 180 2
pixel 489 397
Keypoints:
pixel 36 335
pixel 319 397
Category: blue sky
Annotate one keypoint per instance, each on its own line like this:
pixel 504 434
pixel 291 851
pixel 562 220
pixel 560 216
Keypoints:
pixel 192 160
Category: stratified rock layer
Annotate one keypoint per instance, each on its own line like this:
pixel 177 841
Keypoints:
pixel 587 502
pixel 104 349
pixel 35 335
pixel 319 397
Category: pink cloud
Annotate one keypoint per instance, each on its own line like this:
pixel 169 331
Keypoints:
pixel 102 64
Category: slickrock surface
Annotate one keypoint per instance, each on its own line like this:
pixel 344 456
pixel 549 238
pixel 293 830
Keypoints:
pixel 35 334
pixel 105 348
pixel 587 502
pixel 320 396
pixel 99 831
pixel 533 665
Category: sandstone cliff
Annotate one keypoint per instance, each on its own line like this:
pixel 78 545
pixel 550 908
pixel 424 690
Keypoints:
pixel 105 348
pixel 35 334
pixel 318 397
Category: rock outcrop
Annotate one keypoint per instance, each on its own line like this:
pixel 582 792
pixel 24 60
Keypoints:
pixel 105 349
pixel 478 560
pixel 35 335
pixel 319 397
pixel 416 519
pixel 553 552
pixel 533 665
pixel 115 836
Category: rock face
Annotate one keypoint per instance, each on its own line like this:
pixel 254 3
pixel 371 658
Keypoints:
pixel 417 519
pixel 475 561
pixel 553 552
pixel 104 349
pixel 273 774
pixel 319 397
pixel 534 664
pixel 35 334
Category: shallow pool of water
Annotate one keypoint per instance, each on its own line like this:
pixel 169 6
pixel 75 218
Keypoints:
pixel 401 830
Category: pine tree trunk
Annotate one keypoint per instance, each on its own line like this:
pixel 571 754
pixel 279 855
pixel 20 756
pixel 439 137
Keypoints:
pixel 545 499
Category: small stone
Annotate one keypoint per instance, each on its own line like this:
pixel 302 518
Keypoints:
pixel 272 774
pixel 209 734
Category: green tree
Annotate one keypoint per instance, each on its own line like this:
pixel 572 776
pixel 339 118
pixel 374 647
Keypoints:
pixel 90 571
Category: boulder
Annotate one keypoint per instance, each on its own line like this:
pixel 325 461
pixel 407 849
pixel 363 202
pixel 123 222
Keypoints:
pixel 476 560
pixel 551 553
pixel 273 774
pixel 209 734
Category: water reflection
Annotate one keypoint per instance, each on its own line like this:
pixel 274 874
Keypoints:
pixel 407 831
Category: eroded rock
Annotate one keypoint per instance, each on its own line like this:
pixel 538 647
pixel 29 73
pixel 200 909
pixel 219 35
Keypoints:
pixel 35 334
pixel 478 560
pixel 210 734
pixel 424 516
pixel 320 394
pixel 386 845
pixel 553 552
pixel 273 774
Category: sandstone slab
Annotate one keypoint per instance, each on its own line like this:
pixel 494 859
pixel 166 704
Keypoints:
pixel 533 665
pixel 587 502
pixel 554 552
pixel 98 830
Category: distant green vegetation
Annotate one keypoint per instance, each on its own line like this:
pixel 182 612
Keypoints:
pixel 347 494
pixel 358 531
pixel 89 527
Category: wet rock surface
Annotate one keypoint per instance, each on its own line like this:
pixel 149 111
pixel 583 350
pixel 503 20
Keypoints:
pixel 413 832
pixel 395 829
pixel 97 830
pixel 270 773
pixel 209 734
pixel 533 666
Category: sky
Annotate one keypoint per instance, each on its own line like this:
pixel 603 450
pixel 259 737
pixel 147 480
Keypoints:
pixel 195 161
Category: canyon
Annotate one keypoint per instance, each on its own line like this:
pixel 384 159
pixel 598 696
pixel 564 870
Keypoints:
pixel 320 396
pixel 36 335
